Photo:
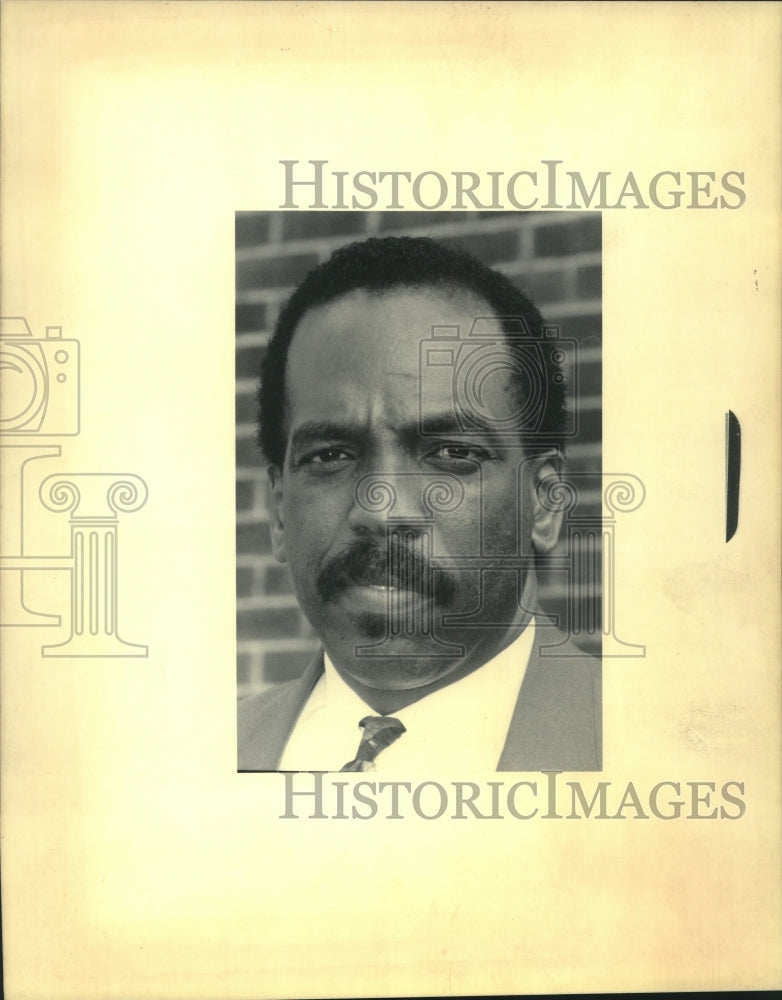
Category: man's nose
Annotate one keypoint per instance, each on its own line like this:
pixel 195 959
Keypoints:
pixel 383 499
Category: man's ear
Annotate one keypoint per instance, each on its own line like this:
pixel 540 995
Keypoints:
pixel 274 502
pixel 547 514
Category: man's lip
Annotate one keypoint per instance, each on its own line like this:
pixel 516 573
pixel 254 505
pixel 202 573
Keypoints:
pixel 384 584
pixel 381 598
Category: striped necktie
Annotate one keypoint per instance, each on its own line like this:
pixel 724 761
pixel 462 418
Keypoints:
pixel 379 732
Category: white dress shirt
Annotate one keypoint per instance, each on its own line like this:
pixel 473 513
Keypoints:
pixel 460 728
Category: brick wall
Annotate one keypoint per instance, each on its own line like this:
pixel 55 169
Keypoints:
pixel 554 257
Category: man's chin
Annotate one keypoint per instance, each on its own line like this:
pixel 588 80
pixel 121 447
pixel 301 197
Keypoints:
pixel 370 627
pixel 382 654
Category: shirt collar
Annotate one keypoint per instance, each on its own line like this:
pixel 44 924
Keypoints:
pixel 480 704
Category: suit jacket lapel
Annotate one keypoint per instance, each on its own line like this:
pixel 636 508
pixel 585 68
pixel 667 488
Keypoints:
pixel 555 724
pixel 263 734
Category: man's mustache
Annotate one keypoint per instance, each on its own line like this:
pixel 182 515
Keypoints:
pixel 365 563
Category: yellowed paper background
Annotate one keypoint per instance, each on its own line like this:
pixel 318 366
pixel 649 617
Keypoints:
pixel 135 861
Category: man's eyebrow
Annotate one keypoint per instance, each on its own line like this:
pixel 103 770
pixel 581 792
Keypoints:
pixel 323 430
pixel 448 422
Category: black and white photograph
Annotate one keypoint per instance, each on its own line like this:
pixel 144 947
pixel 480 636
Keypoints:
pixel 424 461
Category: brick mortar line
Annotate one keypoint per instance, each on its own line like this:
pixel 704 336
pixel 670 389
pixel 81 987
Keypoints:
pixel 543 265
pixel 249 473
pixel 568 310
pixel 246 386
pixel 255 647
pixel 472 226
pixel 247 338
pixel 245 430
pixel 245 517
pixel 263 602
pixel 261 561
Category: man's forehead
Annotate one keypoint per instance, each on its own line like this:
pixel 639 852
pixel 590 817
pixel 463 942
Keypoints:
pixel 368 357
pixel 403 312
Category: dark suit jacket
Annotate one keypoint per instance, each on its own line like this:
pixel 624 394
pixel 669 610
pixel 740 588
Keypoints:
pixel 556 724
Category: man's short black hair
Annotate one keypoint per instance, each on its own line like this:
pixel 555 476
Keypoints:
pixel 383 264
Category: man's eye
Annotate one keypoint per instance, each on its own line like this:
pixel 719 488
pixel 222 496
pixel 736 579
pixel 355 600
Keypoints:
pixel 462 455
pixel 327 457
pixel 456 451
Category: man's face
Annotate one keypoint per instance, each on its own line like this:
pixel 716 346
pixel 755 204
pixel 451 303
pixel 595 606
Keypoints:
pixel 394 523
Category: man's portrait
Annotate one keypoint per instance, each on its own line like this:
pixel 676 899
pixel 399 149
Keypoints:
pixel 423 393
